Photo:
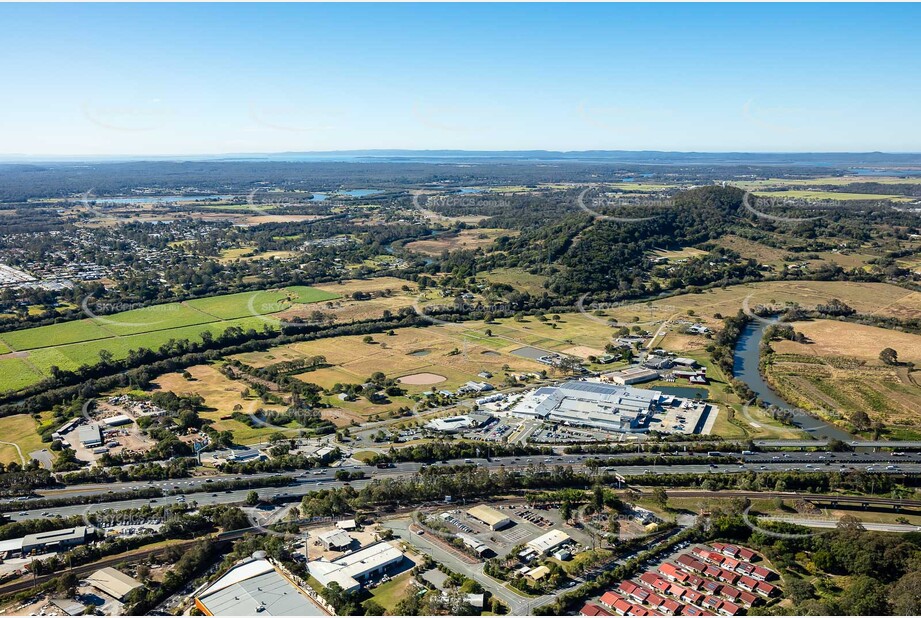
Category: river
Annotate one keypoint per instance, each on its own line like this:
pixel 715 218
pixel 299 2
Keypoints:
pixel 745 368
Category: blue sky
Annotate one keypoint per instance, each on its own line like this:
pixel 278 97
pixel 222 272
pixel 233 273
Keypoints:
pixel 222 78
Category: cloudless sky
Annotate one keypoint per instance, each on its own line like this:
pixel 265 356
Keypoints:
pixel 96 79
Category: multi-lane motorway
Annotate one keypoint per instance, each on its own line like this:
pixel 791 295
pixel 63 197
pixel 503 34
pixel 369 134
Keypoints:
pixel 303 482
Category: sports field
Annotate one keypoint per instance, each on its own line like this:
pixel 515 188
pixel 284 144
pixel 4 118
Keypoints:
pixel 32 352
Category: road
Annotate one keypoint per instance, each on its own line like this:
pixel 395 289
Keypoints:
pixel 304 482
pixel 519 605
pixel 833 523
pixel 894 444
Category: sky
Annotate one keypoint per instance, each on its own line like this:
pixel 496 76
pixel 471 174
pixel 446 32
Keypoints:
pixel 183 79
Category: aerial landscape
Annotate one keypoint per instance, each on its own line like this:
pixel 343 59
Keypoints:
pixel 317 310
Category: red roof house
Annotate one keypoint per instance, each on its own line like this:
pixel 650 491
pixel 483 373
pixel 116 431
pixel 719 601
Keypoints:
pixel 608 598
pixel 621 607
pixel 759 572
pixel 748 583
pixel 765 589
pixel 730 593
pixel 747 598
pixel 712 602
pixel 590 609
pixel 672 607
pixel 746 554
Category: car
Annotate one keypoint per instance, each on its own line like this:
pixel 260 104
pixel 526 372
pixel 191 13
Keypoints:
pixel 23 514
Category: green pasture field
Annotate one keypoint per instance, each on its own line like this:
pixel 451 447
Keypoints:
pixel 155 317
pixel 71 357
pixel 242 304
pixel 15 374
pixel 70 345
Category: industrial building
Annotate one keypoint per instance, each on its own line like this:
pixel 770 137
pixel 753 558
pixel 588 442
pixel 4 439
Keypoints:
pixel 118 419
pixel 55 540
pixel 113 582
pixel 90 435
pixel 353 570
pixel 633 375
pixel 255 587
pixel 453 424
pixel 479 547
pixel 335 540
pixel 546 543
pixel 489 516
pixel 591 404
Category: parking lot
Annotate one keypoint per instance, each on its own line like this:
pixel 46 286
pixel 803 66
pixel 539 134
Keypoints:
pixel 678 419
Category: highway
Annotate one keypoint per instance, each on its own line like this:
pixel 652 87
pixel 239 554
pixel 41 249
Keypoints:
pixel 304 482
pixel 833 523
pixel 894 444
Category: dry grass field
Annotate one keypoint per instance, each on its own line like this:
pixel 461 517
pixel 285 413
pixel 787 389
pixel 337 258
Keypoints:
pixel 20 430
pixel 751 249
pixel 518 278
pixel 469 239
pixel 221 394
pixel 875 298
pixel 833 338
pixel 840 372
pixel 439 350
pixel 681 254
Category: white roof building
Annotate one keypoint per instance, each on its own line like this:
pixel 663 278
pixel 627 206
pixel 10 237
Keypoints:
pixel 89 435
pixel 255 587
pixel 548 542
pixel 451 424
pixel 335 539
pixel 351 570
pixel 608 407
pixel 118 419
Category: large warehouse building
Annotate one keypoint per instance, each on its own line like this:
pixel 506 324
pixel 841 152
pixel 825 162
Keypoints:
pixel 113 582
pixel 608 407
pixel 489 516
pixel 352 570
pixel 255 587
pixel 546 543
